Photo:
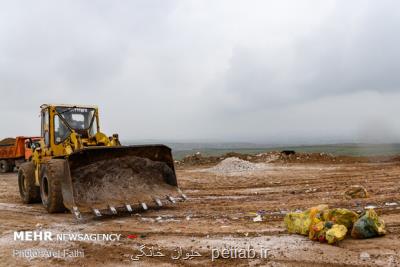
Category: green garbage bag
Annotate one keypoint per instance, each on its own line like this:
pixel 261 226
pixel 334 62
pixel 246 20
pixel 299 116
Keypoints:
pixel 368 225
pixel 341 216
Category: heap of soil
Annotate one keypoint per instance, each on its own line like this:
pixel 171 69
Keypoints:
pixel 8 142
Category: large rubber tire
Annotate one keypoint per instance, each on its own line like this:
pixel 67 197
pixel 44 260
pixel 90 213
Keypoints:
pixel 26 182
pixel 50 186
pixel 4 166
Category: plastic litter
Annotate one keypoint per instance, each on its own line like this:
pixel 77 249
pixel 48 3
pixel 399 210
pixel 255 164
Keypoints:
pixel 300 222
pixel 356 191
pixel 368 225
pixel 336 233
pixel 332 225
pixel 258 218
pixel 364 256
pixel 262 212
pixel 317 231
pixel 341 216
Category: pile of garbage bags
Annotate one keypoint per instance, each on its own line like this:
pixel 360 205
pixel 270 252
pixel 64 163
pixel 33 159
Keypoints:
pixel 323 224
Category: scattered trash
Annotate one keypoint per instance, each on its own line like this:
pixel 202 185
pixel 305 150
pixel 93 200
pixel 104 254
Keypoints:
pixel 261 212
pixel 259 215
pixel 258 218
pixel 336 233
pixel 341 216
pixel 391 204
pixel 300 222
pixel 369 207
pixel 317 231
pixel 188 217
pixel 356 191
pixel 147 219
pixel 323 224
pixel 311 190
pixel 364 256
pixel 368 225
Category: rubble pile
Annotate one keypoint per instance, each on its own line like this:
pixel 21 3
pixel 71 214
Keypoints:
pixel 234 164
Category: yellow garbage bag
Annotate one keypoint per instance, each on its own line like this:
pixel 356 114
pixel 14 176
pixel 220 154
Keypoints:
pixel 300 222
pixel 369 225
pixel 341 216
pixel 318 211
pixel 317 230
pixel 336 233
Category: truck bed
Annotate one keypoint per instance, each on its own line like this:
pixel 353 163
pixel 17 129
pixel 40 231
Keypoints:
pixel 11 148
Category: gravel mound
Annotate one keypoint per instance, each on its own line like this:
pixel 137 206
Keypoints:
pixel 233 164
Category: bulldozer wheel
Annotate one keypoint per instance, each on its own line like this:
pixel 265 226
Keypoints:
pixel 50 186
pixel 4 166
pixel 26 182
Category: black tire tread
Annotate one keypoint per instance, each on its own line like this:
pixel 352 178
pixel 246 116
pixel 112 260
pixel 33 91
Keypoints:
pixel 54 170
pixel 6 168
pixel 32 194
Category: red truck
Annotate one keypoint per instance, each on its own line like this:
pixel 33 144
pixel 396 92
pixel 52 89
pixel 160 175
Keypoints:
pixel 14 151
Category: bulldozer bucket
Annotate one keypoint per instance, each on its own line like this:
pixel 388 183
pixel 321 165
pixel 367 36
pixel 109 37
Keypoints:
pixel 110 180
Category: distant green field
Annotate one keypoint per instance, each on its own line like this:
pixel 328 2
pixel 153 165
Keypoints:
pixel 341 149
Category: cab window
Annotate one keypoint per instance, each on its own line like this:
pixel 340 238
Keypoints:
pixel 61 131
pixel 45 127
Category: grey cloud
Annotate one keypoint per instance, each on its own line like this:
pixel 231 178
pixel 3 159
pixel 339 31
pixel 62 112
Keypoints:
pixel 354 49
pixel 232 70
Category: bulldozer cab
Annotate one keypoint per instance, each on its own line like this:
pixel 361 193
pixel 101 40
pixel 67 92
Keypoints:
pixel 83 121
pixel 69 128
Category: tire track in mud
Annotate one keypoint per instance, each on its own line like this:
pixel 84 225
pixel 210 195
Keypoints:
pixel 223 206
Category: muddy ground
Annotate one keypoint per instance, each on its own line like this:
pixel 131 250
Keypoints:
pixel 218 214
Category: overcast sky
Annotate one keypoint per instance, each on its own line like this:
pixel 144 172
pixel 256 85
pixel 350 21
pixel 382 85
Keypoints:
pixel 258 71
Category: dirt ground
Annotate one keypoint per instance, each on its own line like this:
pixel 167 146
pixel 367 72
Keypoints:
pixel 219 214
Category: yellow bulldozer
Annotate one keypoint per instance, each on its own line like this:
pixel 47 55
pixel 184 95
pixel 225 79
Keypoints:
pixel 75 167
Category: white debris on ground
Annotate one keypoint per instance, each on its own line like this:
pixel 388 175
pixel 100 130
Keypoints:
pixel 270 157
pixel 233 165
